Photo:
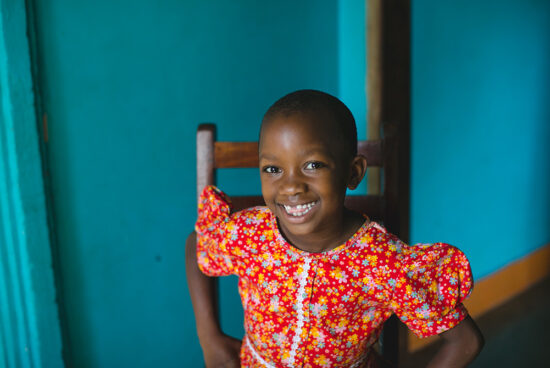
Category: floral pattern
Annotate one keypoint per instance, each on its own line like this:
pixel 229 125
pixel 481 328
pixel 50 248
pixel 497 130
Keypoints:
pixel 327 309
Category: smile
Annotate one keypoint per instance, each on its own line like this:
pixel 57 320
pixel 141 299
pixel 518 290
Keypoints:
pixel 299 210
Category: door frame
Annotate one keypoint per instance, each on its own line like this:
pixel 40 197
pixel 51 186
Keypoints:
pixel 30 332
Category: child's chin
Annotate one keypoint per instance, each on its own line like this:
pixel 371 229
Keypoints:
pixel 296 229
pixel 295 222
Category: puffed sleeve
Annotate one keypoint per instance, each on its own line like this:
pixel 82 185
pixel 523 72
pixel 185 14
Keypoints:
pixel 215 233
pixel 432 282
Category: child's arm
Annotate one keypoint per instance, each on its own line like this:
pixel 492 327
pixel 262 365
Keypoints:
pixel 219 350
pixel 461 345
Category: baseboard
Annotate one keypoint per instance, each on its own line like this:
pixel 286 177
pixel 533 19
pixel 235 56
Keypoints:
pixel 499 287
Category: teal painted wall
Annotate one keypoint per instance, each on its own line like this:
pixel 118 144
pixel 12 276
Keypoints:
pixel 481 127
pixel 124 85
pixel 352 61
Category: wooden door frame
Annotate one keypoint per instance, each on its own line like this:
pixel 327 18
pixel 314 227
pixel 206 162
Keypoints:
pixel 388 103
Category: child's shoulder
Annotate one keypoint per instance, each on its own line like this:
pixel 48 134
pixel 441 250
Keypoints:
pixel 379 238
pixel 387 245
pixel 255 216
pixel 378 244
pixel 216 210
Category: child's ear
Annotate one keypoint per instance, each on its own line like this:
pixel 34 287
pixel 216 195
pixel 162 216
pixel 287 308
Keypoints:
pixel 358 168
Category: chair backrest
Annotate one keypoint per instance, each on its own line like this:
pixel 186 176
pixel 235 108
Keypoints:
pixel 213 155
pixel 384 207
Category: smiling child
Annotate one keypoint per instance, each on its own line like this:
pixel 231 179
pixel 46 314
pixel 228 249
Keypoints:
pixel 317 281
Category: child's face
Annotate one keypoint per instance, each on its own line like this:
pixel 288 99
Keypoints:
pixel 304 173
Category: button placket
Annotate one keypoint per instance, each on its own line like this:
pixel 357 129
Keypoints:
pixel 302 296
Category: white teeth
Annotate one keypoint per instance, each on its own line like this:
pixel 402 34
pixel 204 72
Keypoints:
pixel 299 210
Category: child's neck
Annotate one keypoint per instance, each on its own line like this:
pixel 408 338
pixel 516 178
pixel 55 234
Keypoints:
pixel 320 242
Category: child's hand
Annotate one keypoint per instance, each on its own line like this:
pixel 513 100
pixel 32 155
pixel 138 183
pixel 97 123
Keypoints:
pixel 222 352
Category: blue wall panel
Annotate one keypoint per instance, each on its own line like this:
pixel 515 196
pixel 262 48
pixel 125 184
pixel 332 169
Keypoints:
pixel 352 63
pixel 480 127
pixel 124 85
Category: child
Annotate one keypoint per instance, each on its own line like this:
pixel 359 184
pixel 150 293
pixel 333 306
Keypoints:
pixel 317 281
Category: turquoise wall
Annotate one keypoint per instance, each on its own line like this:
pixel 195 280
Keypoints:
pixel 481 127
pixel 352 61
pixel 124 85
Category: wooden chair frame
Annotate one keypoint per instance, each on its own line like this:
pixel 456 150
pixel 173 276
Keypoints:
pixel 384 207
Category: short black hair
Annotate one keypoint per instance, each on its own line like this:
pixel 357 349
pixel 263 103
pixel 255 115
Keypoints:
pixel 319 103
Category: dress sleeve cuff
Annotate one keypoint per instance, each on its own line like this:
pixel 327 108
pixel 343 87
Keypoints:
pixel 450 320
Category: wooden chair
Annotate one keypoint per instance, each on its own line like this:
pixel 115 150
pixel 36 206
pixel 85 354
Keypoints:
pixel 384 207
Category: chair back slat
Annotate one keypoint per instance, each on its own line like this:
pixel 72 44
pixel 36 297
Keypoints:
pixel 235 154
pixel 245 154
pixel 370 205
pixel 212 155
pixel 242 202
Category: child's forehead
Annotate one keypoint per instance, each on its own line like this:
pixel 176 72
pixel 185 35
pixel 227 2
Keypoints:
pixel 305 129
pixel 316 121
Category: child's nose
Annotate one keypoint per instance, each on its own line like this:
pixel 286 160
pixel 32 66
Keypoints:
pixel 293 184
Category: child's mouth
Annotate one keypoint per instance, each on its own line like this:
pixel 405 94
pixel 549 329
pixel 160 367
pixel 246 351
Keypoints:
pixel 300 209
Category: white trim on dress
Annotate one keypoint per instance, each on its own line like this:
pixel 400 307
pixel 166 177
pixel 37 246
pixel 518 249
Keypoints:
pixel 300 307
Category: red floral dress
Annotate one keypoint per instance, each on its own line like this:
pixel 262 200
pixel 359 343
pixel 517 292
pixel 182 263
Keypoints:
pixel 327 309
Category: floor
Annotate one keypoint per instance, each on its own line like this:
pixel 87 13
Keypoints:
pixel 516 334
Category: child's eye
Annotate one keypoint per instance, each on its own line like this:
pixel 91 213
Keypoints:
pixel 314 165
pixel 271 169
